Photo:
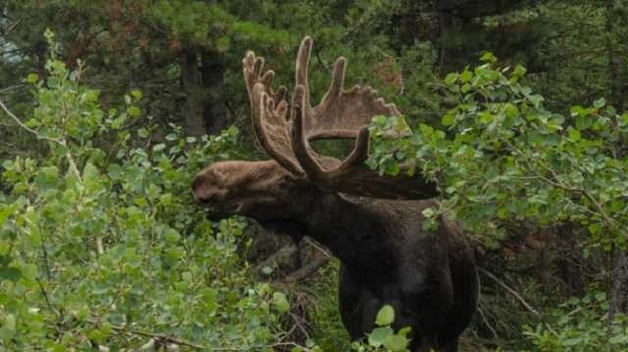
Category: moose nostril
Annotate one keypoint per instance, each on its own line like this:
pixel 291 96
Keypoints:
pixel 199 184
pixel 201 193
pixel 205 199
pixel 197 188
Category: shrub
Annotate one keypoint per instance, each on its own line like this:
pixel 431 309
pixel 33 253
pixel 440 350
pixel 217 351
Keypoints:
pixel 103 247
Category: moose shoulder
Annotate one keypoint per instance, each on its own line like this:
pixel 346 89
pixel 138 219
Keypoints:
pixel 372 223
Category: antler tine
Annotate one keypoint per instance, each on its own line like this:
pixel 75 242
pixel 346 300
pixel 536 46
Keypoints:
pixel 269 112
pixel 253 69
pixel 300 144
pixel 302 68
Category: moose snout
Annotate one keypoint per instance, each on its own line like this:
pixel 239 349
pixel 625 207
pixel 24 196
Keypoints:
pixel 200 190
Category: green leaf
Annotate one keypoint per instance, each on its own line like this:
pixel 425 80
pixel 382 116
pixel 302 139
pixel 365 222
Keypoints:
pixel 404 331
pixel 280 302
pixel 451 78
pixel 536 99
pixel 101 334
pixel 32 78
pixel 599 103
pixel 447 120
pixel 137 94
pixel 466 76
pixel 488 57
pixel 486 117
pixel 583 122
pixel 577 110
pixel 379 335
pixel 385 316
pixel 133 111
pixel 396 343
pixel 47 177
pixel 10 273
pixel 574 135
pixel 519 71
pixel 512 110
pixel 8 329
pixel 142 133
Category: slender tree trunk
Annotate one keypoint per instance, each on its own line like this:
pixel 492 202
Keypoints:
pixel 213 73
pixel 444 25
pixel 617 88
pixel 191 83
pixel 618 300
pixel 202 81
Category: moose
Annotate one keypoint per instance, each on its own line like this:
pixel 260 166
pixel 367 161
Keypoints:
pixel 371 222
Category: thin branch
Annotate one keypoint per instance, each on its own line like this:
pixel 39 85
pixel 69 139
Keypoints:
pixel 307 269
pixel 100 249
pixel 11 115
pixel 510 290
pixel 47 299
pixel 60 141
pixel 11 27
pixel 17 86
pixel 487 323
pixel 162 337
pixel 317 246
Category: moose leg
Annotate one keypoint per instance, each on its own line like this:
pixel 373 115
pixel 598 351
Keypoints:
pixel 451 347
pixel 426 299
pixel 358 305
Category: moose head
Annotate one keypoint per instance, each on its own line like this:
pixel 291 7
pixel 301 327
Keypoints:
pixel 371 222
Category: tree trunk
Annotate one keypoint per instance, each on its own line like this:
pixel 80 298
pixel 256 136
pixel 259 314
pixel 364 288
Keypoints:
pixel 213 73
pixel 191 85
pixel 618 300
pixel 202 78
pixel 616 83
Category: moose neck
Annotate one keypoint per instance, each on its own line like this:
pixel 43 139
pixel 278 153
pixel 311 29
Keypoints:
pixel 349 230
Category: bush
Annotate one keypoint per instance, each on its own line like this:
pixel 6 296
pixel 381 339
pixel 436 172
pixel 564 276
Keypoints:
pixel 581 325
pixel 104 247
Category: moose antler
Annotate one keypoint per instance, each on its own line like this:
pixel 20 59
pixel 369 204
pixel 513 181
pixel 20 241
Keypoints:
pixel 341 114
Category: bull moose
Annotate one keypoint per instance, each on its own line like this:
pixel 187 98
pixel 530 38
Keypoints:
pixel 371 222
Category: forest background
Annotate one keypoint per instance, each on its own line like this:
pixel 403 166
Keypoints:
pixel 109 109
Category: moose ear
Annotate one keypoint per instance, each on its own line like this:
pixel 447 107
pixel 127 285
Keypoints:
pixel 342 114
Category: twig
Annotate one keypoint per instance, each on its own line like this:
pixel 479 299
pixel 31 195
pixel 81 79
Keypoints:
pixel 148 345
pixel 510 290
pixel 73 168
pixel 47 299
pixel 71 162
pixel 100 249
pixel 487 323
pixel 11 115
pixel 3 90
pixel 307 269
pixel 154 337
pixel 317 246
pixel 162 337
pixel 278 344
pixel 11 27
